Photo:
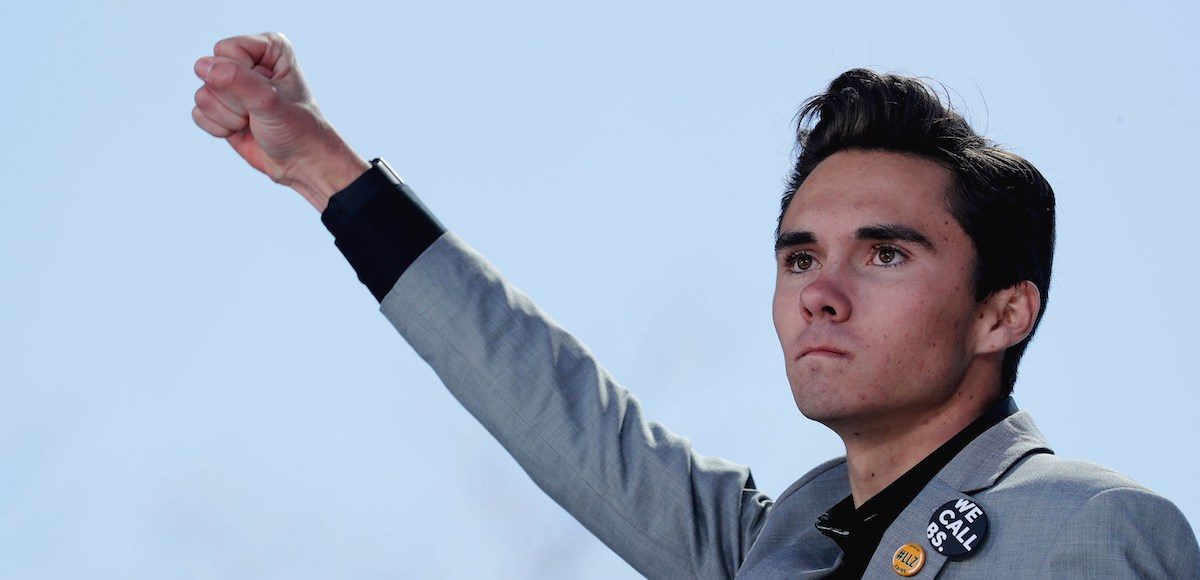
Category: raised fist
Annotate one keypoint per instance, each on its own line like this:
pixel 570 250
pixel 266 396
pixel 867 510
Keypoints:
pixel 255 97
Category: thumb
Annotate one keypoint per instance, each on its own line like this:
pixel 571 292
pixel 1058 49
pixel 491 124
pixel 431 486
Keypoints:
pixel 244 90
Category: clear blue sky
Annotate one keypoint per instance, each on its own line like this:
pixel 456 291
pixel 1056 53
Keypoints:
pixel 196 386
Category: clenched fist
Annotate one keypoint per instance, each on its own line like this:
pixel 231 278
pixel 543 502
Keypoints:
pixel 255 97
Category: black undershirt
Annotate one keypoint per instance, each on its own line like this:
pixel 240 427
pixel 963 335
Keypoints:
pixel 859 531
pixel 381 227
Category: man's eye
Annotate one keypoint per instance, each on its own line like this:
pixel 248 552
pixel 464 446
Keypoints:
pixel 801 262
pixel 888 256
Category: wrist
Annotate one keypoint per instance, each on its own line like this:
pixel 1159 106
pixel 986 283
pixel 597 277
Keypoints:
pixel 325 174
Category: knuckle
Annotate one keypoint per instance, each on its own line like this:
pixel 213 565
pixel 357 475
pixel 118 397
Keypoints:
pixel 206 100
pixel 208 125
pixel 222 74
pixel 236 47
pixel 278 37
pixel 230 126
pixel 224 44
pixel 230 42
pixel 270 101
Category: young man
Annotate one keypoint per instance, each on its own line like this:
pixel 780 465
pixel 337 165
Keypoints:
pixel 913 265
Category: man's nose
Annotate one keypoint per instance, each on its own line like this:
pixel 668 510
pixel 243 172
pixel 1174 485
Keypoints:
pixel 825 298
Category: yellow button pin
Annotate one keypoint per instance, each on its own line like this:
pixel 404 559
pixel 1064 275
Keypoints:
pixel 908 560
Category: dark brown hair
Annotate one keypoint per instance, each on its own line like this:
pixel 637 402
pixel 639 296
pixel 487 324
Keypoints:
pixel 1001 200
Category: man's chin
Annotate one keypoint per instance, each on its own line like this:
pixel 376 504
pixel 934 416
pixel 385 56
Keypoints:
pixel 836 412
pixel 824 416
pixel 821 411
pixel 820 398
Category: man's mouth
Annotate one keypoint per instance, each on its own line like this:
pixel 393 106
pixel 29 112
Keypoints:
pixel 823 351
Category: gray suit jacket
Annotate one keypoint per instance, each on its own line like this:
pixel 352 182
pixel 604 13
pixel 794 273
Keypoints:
pixel 672 513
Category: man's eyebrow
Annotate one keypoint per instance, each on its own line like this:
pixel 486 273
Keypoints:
pixel 794 238
pixel 892 232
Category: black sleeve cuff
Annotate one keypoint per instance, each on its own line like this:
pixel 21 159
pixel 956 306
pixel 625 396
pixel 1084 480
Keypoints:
pixel 381 227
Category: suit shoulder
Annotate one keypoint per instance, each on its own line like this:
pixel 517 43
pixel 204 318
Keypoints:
pixel 1070 472
pixel 1068 480
pixel 1092 521
pixel 1114 527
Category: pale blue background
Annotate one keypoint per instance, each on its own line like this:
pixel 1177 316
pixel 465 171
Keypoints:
pixel 194 384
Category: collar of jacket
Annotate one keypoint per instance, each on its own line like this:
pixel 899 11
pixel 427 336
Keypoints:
pixel 978 467
pixel 981 463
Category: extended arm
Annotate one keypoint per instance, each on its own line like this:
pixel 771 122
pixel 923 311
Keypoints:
pixel 668 511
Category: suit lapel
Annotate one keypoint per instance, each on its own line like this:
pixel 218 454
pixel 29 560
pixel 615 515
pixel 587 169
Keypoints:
pixel 994 452
pixel 909 528
pixel 980 464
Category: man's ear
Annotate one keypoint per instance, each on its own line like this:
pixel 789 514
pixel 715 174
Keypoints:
pixel 1007 316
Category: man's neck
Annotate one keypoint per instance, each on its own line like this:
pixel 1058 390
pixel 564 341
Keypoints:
pixel 878 456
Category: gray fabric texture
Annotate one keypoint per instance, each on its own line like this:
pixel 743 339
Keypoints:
pixel 672 513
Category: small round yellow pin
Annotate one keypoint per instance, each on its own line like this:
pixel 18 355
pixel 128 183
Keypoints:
pixel 908 560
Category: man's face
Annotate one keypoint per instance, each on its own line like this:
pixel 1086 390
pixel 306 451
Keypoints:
pixel 873 298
